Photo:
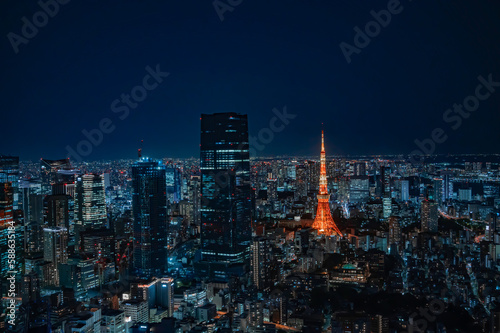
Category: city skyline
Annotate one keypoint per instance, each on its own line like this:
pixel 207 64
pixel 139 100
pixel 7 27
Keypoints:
pixel 143 244
pixel 250 166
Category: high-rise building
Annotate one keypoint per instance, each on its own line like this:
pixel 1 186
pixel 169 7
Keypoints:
pixel 56 210
pixel 359 189
pixel 194 199
pixel 9 173
pixel 256 316
pixel 405 190
pixel 55 251
pixel 438 190
pixel 323 222
pixel 261 260
pixel 385 180
pixel 10 234
pixel 30 199
pixel 492 226
pixel 226 196
pixel 173 179
pixel 395 235
pixel 379 324
pixel 272 189
pixel 386 206
pixel 49 173
pixel 78 274
pixel 31 287
pixel 429 215
pixel 343 189
pixel 165 294
pixel 447 185
pixel 360 169
pixel 31 202
pixel 90 202
pixel 149 205
pixel 301 181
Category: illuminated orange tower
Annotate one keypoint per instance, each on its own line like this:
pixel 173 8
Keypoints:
pixel 324 222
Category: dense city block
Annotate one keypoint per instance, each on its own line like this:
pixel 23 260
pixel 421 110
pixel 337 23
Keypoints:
pixel 231 243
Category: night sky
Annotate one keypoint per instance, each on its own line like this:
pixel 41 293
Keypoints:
pixel 263 55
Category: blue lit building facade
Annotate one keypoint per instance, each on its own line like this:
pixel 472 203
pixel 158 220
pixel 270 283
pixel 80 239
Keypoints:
pixel 173 177
pixel 149 205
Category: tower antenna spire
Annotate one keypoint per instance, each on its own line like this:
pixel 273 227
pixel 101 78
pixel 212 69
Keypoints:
pixel 322 138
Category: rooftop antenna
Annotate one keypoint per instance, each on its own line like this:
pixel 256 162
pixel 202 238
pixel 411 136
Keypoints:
pixel 139 151
pixel 322 138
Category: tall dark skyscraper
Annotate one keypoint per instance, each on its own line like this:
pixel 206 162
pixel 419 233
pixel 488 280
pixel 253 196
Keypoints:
pixel 56 210
pixel 31 201
pixel 385 180
pixel 173 176
pixel 395 235
pixel 226 202
pixel 149 205
pixel 447 185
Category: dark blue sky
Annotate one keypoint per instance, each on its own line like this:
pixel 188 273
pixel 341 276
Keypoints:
pixel 265 54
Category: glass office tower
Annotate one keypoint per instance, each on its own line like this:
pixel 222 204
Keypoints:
pixel 226 196
pixel 149 205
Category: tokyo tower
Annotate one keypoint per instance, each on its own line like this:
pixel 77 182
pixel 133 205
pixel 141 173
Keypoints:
pixel 324 222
